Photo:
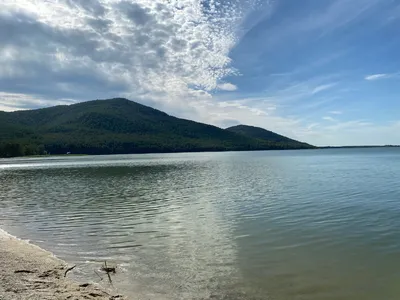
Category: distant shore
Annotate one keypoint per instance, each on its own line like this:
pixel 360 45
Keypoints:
pixel 29 272
pixel 356 147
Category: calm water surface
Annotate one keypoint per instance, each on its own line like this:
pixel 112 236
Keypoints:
pixel 320 224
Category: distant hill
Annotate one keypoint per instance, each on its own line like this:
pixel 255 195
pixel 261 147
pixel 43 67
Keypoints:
pixel 266 135
pixel 118 126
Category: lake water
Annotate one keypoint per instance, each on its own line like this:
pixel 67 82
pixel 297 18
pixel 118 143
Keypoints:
pixel 311 224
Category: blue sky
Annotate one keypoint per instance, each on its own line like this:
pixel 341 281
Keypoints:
pixel 325 72
pixel 329 63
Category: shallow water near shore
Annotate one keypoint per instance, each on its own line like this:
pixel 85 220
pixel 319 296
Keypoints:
pixel 311 224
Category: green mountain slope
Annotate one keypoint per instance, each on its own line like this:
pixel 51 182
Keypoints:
pixel 266 135
pixel 115 126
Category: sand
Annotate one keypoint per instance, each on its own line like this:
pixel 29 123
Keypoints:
pixel 29 272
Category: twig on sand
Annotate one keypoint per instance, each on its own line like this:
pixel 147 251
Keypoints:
pixel 108 270
pixel 109 278
pixel 69 269
pixel 24 271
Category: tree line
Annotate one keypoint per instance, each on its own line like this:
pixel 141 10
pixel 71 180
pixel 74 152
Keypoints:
pixel 18 149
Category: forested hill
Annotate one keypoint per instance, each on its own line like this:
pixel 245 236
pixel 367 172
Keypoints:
pixel 118 126
pixel 265 135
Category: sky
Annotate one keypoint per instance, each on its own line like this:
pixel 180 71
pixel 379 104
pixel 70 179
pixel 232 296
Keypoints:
pixel 324 72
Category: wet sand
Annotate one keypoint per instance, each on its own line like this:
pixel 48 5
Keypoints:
pixel 29 272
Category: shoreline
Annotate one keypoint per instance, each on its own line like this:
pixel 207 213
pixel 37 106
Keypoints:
pixel 30 272
pixel 205 151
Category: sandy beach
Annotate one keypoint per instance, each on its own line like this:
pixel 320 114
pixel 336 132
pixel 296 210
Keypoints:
pixel 29 272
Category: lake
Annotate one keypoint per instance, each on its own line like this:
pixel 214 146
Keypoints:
pixel 309 224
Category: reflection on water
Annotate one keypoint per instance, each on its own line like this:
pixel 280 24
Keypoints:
pixel 277 225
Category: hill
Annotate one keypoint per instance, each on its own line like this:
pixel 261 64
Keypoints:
pixel 266 135
pixel 117 126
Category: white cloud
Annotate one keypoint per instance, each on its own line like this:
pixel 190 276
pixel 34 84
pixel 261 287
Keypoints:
pixel 336 112
pixel 322 87
pixel 227 87
pixel 376 77
pixel 15 101
pixel 156 50
pixel 327 118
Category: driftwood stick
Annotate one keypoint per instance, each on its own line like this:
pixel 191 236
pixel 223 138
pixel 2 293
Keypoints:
pixel 109 278
pixel 108 270
pixel 69 269
pixel 24 271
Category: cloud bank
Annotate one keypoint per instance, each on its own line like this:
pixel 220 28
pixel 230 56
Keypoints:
pixel 143 49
